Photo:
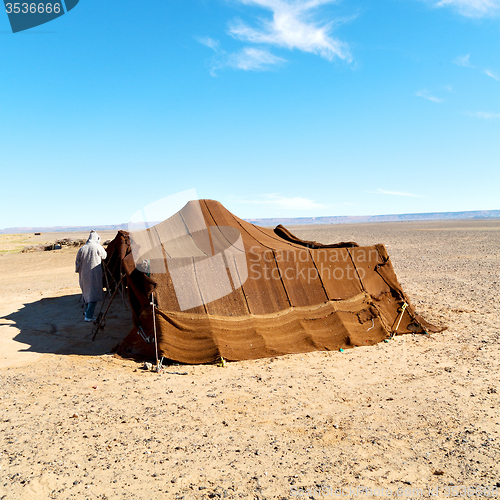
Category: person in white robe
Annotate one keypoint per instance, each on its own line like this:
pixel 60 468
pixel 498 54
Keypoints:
pixel 89 266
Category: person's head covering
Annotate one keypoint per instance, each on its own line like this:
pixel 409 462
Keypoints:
pixel 94 237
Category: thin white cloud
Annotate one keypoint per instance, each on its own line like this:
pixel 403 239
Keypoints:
pixel 463 61
pixel 396 193
pixel 492 75
pixel 251 59
pixel 283 202
pixel 424 94
pixel 247 59
pixel 484 115
pixel 292 27
pixel 472 8
pixel 210 43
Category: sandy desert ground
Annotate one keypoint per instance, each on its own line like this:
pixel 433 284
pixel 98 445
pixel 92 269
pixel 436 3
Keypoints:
pixel 417 417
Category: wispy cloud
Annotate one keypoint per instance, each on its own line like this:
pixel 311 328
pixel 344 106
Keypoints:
pixel 247 59
pixel 492 75
pixel 251 59
pixel 396 193
pixel 472 8
pixel 210 43
pixel 484 115
pixel 463 61
pixel 275 200
pixel 424 94
pixel 293 25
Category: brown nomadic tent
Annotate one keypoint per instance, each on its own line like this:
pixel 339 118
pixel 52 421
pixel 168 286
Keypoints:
pixel 223 287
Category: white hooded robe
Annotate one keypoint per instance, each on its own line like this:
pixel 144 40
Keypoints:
pixel 88 265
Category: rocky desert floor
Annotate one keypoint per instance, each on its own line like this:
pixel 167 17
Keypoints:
pixel 417 417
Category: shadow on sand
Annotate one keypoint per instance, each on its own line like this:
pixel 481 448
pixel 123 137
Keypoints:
pixel 56 325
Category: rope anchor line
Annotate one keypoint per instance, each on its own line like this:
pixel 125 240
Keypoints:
pixel 148 340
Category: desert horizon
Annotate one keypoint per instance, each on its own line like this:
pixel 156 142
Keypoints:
pixel 292 221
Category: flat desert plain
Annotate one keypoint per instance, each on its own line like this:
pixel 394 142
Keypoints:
pixel 416 417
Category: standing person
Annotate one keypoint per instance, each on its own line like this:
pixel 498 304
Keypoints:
pixel 88 265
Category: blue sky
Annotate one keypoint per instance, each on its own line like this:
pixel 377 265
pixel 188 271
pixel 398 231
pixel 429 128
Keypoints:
pixel 273 107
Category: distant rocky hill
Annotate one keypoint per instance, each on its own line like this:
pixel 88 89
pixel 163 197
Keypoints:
pixel 289 221
pixel 352 219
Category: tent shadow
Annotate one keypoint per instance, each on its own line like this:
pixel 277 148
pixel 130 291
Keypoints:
pixel 56 325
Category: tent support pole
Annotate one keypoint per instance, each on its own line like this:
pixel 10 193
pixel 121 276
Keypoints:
pixel 154 327
pixel 108 274
pixel 106 271
pixel 403 309
pixel 122 286
pixel 101 321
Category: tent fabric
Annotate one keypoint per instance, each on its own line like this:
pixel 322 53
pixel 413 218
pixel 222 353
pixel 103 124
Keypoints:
pixel 276 294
